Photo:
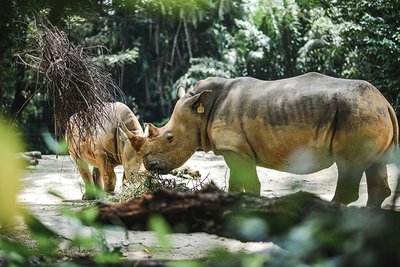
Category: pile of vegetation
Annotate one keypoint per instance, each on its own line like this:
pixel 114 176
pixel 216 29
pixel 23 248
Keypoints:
pixel 138 184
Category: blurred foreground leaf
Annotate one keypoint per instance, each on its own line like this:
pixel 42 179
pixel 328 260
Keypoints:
pixel 47 240
pixel 10 173
pixel 159 226
pixel 110 257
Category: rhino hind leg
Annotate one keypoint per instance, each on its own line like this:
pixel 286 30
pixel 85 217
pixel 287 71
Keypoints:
pixel 348 183
pixel 377 183
pixel 243 175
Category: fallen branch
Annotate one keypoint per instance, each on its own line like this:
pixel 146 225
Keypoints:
pixel 213 211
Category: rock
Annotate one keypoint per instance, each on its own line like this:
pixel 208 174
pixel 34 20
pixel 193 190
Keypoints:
pixel 33 154
pixel 28 160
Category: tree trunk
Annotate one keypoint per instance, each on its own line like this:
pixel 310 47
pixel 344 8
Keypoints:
pixel 6 17
pixel 160 89
pixel 21 99
pixel 146 90
pixel 123 46
pixel 174 43
pixel 187 38
pixel 156 38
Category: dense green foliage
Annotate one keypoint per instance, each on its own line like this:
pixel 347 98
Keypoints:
pixel 154 45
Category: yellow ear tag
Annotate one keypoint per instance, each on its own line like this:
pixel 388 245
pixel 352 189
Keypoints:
pixel 200 109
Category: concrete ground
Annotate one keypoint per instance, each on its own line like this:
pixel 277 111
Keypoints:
pixel 60 176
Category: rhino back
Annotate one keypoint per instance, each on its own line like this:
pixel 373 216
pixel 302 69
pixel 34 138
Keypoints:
pixel 300 100
pixel 124 114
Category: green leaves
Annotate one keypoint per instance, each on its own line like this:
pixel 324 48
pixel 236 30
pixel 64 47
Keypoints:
pixel 202 68
pixel 96 240
pixel 161 229
pixel 116 60
pixel 85 217
pixel 110 257
pixel 15 252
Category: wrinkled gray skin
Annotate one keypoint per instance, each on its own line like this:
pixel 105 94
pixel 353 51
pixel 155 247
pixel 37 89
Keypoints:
pixel 298 125
pixel 108 148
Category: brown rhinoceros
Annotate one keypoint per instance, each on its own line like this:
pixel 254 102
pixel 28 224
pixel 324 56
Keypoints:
pixel 299 125
pixel 107 148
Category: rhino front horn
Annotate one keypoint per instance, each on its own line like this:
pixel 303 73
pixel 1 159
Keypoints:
pixel 136 141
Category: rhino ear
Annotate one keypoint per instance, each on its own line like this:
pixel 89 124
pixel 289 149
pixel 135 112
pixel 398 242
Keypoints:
pixel 181 91
pixel 197 102
pixel 150 130
pixel 136 140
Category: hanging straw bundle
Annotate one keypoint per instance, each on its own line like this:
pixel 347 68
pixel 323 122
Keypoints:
pixel 73 81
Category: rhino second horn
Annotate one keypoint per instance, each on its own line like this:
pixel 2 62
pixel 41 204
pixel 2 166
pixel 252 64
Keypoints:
pixel 181 91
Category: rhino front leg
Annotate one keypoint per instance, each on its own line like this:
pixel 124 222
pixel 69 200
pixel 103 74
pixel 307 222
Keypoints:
pixel 107 175
pixel 87 178
pixel 111 180
pixel 243 175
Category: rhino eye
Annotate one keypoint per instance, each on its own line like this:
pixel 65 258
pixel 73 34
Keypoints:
pixel 170 137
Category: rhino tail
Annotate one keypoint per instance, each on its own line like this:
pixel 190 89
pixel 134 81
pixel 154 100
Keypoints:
pixel 395 123
pixel 394 146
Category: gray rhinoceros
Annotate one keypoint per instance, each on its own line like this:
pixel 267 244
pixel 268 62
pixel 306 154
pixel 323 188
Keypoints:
pixel 107 148
pixel 299 125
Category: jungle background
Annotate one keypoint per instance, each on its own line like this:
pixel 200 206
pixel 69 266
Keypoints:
pixel 152 46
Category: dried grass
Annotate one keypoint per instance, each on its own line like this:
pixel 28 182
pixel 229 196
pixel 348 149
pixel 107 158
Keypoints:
pixel 73 82
pixel 148 182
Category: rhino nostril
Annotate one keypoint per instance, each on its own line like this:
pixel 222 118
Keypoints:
pixel 155 166
pixel 152 165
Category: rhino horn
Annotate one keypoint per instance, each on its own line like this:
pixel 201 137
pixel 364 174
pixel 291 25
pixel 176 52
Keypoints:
pixel 150 130
pixel 181 91
pixel 136 140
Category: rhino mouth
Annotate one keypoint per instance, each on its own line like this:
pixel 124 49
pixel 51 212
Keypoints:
pixel 156 166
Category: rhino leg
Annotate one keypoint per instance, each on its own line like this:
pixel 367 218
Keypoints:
pixel 87 178
pixel 96 177
pixel 243 175
pixel 377 182
pixel 107 175
pixel 348 182
pixel 109 184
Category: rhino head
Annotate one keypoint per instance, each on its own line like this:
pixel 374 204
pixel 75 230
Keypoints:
pixel 166 148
